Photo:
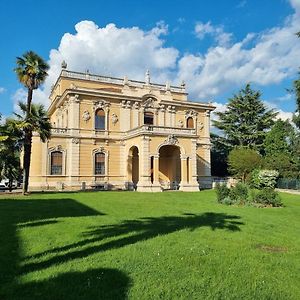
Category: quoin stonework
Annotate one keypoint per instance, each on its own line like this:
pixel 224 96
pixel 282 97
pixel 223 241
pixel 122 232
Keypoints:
pixel 112 133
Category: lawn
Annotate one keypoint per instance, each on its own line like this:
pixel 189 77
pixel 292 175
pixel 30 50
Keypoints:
pixel 127 245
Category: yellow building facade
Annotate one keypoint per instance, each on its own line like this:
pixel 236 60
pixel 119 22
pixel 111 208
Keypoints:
pixel 112 133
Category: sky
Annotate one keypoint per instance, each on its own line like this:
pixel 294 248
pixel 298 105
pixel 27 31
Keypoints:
pixel 216 47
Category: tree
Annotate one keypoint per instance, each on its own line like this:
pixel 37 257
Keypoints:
pixel 242 161
pixel 245 121
pixel 31 71
pixel 9 151
pixel 36 121
pixel 296 116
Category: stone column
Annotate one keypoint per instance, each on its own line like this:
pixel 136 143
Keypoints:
pixel 125 121
pixel 183 182
pixel 161 116
pixel 144 184
pixel 193 163
pixel 72 168
pixel 135 115
pixel 156 169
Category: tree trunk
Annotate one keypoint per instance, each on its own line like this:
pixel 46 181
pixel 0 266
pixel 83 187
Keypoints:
pixel 10 183
pixel 29 100
pixel 27 146
pixel 26 160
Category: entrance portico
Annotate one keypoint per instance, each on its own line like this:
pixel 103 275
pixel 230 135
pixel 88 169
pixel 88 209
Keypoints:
pixel 171 167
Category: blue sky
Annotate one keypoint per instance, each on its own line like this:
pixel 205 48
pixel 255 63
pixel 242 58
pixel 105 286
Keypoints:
pixel 215 46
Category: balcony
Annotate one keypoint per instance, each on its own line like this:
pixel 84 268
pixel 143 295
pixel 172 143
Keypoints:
pixel 160 130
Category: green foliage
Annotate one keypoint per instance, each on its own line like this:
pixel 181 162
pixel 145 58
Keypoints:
pixel 222 192
pixel 296 117
pixel 264 178
pixel 242 161
pixel 9 151
pixel 219 154
pixel 267 197
pixel 31 70
pixel 245 121
pixel 37 120
pixel 242 194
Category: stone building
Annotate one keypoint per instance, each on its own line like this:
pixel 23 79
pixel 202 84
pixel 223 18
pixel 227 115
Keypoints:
pixel 112 133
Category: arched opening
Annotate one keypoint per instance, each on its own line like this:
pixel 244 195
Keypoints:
pixel 148 118
pixel 189 122
pixel 99 163
pixel 56 163
pixel 169 167
pixel 133 165
pixel 100 119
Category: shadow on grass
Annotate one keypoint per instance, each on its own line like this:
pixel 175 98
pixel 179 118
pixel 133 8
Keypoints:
pixel 130 232
pixel 16 214
pixel 92 284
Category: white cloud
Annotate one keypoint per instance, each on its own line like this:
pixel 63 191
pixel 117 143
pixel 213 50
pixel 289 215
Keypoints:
pixel 296 5
pixel 272 58
pixel 263 58
pixel 113 51
pixel 39 96
pixel 217 32
pixel 2 90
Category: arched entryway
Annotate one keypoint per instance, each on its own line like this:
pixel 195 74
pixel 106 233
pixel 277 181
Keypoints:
pixel 169 167
pixel 133 166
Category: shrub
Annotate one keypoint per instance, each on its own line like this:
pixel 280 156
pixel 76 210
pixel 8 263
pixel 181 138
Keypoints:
pixel 242 161
pixel 241 192
pixel 264 178
pixel 222 192
pixel 267 197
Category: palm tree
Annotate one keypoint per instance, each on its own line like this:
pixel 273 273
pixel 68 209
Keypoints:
pixel 36 121
pixel 31 71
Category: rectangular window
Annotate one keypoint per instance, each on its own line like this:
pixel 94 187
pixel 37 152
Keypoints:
pixel 56 163
pixel 99 163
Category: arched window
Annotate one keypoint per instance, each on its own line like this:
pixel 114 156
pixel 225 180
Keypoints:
pixel 56 162
pixel 148 118
pixel 100 119
pixel 100 164
pixel 189 122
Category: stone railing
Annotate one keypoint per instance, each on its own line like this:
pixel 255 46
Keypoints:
pixel 59 130
pixel 114 80
pixel 144 129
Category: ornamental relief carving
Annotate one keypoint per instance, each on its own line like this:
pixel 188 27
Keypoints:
pixel 200 126
pixel 75 141
pixel 126 104
pixel 190 113
pixel 114 119
pixel 102 104
pixel 171 140
pixel 86 116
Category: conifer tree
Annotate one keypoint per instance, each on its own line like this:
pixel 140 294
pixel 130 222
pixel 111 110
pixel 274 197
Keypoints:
pixel 245 121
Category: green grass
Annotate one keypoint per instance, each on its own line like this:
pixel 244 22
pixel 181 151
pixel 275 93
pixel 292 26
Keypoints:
pixel 126 245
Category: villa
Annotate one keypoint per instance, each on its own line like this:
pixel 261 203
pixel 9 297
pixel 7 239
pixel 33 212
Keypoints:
pixel 113 133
